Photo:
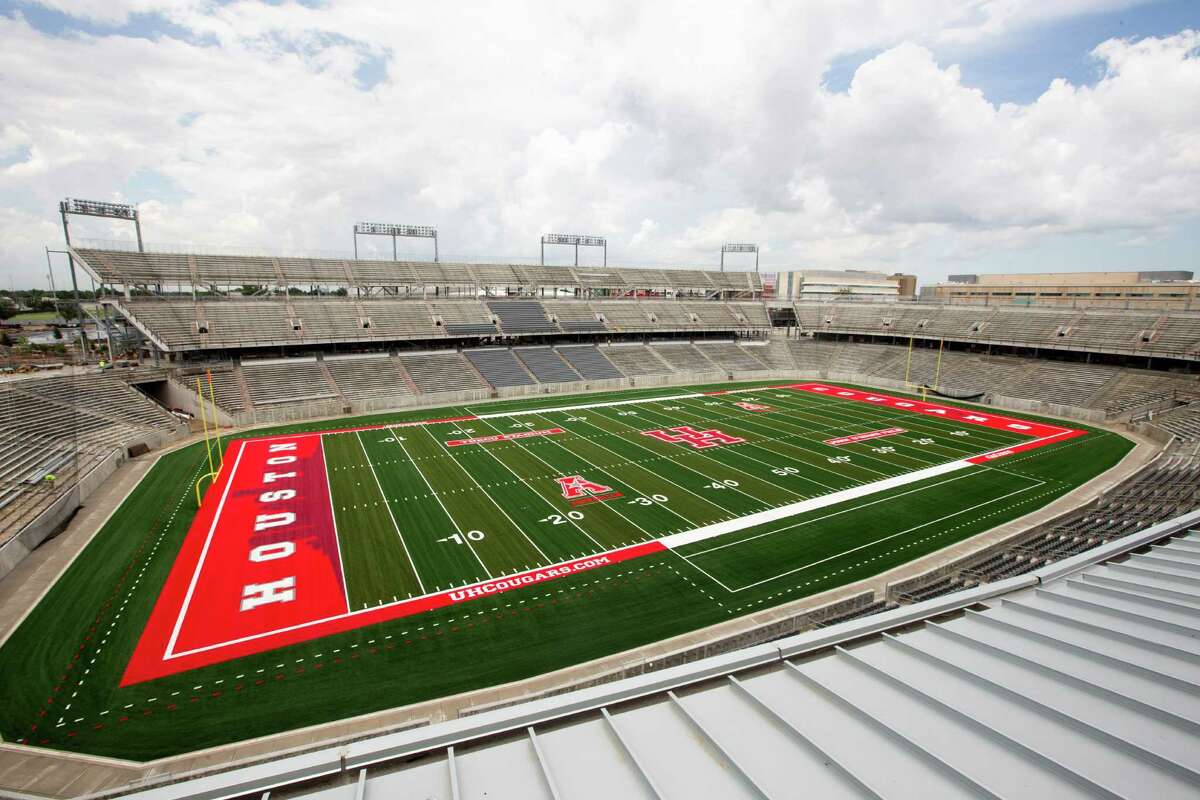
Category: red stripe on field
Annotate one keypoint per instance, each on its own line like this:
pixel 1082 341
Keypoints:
pixel 1042 432
pixel 1020 448
pixel 865 437
pixel 148 668
pixel 503 437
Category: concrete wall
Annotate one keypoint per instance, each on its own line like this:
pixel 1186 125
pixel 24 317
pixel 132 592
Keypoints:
pixel 52 520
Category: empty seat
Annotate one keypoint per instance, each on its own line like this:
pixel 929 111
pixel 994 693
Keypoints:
pixel 521 316
pixel 546 365
pixel 499 367
pixel 589 361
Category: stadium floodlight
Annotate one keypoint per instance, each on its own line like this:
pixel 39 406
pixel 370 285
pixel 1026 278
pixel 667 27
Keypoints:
pixel 93 208
pixel 739 247
pixel 576 241
pixel 394 231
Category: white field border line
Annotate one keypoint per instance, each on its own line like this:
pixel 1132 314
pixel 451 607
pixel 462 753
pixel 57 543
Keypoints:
pixel 187 599
pixel 333 516
pixel 1036 485
pixel 670 541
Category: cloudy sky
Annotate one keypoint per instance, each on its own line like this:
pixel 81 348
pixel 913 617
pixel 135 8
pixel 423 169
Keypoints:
pixel 931 136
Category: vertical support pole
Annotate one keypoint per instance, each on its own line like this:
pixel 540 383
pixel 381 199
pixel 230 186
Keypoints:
pixel 216 425
pixel 722 259
pixel 393 247
pixel 606 252
pixel 50 273
pixel 908 366
pixel 435 248
pixel 356 245
pixel 756 259
pixel 543 251
pixel 137 226
pixel 83 342
pixel 108 333
pixel 577 254
pixel 938 372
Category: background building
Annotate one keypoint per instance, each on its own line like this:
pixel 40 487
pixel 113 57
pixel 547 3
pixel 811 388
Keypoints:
pixel 1166 289
pixel 820 284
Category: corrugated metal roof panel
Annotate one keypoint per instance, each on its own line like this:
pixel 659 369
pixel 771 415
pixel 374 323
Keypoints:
pixel 1082 680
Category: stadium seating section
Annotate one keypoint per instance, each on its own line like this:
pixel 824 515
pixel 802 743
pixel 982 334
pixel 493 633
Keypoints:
pixel 229 323
pixel 1114 390
pixel 171 269
pixel 1160 334
pixel 64 426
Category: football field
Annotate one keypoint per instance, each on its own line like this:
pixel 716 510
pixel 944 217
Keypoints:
pixel 342 567
pixel 309 534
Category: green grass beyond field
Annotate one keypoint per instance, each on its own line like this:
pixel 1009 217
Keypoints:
pixel 415 516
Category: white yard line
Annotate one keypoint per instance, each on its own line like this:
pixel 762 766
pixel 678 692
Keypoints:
pixel 720 508
pixel 702 454
pixel 492 500
pixel 611 507
pixel 553 508
pixel 336 536
pixel 388 504
pixel 435 496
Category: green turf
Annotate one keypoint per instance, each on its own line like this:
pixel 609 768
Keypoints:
pixel 398 496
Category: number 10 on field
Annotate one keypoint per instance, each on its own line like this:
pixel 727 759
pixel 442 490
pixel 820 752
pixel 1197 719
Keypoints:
pixel 456 538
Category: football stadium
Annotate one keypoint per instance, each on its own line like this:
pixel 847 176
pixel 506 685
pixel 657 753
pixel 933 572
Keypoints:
pixel 433 514
pixel 591 401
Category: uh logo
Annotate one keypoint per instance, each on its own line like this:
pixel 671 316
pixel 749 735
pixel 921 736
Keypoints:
pixel 693 437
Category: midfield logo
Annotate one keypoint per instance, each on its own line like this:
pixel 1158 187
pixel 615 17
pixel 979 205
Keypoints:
pixel 580 490
pixel 753 406
pixel 697 439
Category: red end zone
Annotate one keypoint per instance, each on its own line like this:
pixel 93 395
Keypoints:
pixel 260 567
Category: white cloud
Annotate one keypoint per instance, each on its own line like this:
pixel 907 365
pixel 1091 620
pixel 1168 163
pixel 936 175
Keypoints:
pixel 666 127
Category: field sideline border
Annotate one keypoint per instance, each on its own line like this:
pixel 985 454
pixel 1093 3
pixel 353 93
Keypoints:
pixel 67 545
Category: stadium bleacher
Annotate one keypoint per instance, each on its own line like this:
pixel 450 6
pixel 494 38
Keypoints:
pixel 441 372
pixel 546 365
pixel 62 426
pixel 683 357
pixel 1093 330
pixel 366 375
pixel 589 361
pixel 500 367
pixel 521 316
pixel 635 360
pixel 286 381
pixel 574 316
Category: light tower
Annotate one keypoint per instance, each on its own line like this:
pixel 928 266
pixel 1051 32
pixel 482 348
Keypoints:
pixel 93 208
pixel 734 247
pixel 394 231
pixel 577 241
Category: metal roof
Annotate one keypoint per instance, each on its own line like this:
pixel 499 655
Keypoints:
pixel 1079 680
